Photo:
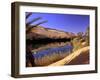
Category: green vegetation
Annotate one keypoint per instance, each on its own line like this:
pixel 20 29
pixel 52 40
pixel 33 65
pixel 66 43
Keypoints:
pixel 81 40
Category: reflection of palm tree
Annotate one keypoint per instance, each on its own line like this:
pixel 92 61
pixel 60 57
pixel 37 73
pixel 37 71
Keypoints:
pixel 29 56
pixel 29 59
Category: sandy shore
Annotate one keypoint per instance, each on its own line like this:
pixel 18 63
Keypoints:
pixel 80 56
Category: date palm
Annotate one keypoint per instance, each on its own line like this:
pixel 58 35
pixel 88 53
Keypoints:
pixel 29 56
pixel 29 26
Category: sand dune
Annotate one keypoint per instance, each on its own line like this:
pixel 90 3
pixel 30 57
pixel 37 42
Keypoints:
pixel 41 33
pixel 74 57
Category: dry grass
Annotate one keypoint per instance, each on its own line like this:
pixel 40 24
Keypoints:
pixel 79 43
pixel 72 56
pixel 49 59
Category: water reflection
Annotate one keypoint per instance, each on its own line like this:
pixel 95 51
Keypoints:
pixel 45 54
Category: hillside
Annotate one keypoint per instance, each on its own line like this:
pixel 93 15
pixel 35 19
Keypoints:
pixel 42 33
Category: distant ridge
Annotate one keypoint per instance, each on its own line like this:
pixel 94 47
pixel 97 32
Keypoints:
pixel 40 32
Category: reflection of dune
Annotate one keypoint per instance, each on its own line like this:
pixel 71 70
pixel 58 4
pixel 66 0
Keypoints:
pixel 78 57
pixel 49 45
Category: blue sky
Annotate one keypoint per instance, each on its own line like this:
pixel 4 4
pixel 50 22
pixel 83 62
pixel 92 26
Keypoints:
pixel 65 22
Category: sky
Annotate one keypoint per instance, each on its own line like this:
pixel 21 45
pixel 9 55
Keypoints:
pixel 64 22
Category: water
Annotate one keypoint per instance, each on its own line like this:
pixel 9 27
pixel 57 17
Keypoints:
pixel 46 53
pixel 50 51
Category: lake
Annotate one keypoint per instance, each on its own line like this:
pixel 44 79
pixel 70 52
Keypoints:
pixel 45 54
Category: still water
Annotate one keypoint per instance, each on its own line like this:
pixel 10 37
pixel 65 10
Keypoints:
pixel 56 50
pixel 45 54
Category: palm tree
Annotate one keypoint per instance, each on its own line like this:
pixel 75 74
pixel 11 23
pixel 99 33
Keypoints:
pixel 87 35
pixel 29 57
pixel 28 25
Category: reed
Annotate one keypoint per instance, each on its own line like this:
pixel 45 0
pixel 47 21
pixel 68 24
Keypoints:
pixel 48 59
